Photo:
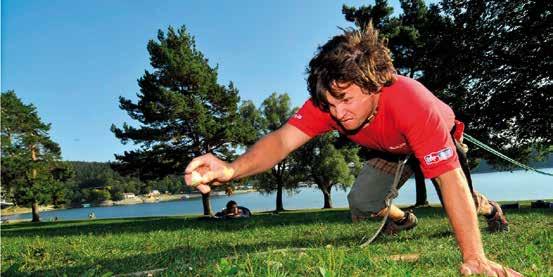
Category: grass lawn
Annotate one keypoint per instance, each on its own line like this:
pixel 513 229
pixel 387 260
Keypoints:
pixel 190 247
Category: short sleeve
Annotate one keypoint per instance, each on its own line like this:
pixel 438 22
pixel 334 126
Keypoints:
pixel 426 123
pixel 433 146
pixel 311 120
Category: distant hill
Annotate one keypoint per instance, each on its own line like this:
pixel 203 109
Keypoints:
pixel 92 174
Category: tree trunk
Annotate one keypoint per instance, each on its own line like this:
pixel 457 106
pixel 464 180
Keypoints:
pixel 279 205
pixel 36 216
pixel 34 206
pixel 327 197
pixel 206 203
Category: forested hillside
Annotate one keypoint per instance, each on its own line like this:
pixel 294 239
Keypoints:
pixel 96 182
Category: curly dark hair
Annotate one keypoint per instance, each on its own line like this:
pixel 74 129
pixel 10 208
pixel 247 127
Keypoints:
pixel 356 56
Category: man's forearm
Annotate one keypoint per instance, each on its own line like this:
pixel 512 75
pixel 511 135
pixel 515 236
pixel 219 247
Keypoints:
pixel 263 155
pixel 462 213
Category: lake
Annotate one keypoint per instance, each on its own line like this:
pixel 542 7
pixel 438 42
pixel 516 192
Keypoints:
pixel 502 186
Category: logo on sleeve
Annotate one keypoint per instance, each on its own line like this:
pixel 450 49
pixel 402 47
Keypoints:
pixel 298 116
pixel 441 155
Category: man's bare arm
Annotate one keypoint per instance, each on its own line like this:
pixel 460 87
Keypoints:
pixel 462 213
pixel 268 151
pixel 264 154
pixel 462 217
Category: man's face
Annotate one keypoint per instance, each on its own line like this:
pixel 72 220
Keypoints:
pixel 234 209
pixel 353 108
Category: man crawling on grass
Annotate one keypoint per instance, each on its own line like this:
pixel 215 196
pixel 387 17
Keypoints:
pixel 355 90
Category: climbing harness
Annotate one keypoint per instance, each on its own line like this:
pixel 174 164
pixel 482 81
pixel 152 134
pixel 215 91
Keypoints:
pixel 498 154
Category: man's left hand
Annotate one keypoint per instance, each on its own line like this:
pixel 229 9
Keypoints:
pixel 487 268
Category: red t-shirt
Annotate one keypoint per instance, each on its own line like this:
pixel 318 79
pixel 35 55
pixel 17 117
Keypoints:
pixel 410 119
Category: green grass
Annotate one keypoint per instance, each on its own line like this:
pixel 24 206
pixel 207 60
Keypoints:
pixel 191 247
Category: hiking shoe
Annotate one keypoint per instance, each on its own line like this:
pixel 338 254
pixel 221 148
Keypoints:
pixel 392 228
pixel 497 223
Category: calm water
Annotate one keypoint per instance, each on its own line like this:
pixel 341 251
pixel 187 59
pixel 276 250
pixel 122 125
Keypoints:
pixel 505 186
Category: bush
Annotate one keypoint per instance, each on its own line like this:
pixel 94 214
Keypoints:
pixel 117 196
pixel 98 196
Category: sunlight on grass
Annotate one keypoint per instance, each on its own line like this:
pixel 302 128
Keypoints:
pixel 313 243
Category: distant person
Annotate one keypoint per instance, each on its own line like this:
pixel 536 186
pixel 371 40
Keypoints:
pixel 356 91
pixel 91 215
pixel 234 211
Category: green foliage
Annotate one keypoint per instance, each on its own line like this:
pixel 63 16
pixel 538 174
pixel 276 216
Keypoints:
pixel 32 173
pixel 377 14
pixel 275 112
pixel 253 123
pixel 182 112
pixel 181 109
pixel 93 174
pixel 100 176
pixel 322 163
pixel 504 86
pixel 490 60
pixel 186 246
pixel 117 196
pixel 98 195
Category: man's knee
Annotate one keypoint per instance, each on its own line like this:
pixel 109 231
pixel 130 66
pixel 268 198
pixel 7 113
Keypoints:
pixel 362 208
pixel 372 186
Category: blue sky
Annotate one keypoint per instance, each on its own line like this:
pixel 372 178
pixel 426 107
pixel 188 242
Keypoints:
pixel 73 59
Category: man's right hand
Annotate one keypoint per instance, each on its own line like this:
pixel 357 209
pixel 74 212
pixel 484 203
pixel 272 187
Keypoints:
pixel 207 170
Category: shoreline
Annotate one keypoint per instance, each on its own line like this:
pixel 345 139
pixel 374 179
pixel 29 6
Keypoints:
pixel 139 199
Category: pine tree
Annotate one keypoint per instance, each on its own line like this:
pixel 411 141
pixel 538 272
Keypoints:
pixel 182 112
pixel 32 173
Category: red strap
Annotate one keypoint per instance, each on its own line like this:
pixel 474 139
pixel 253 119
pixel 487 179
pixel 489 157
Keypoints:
pixel 459 130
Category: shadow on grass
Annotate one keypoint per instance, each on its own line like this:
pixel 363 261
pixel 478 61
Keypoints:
pixel 141 225
pixel 148 224
pixel 179 257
